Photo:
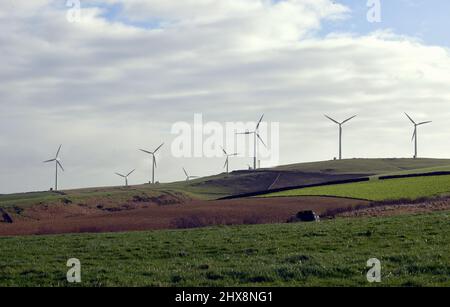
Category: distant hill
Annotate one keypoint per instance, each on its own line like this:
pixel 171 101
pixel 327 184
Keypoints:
pixel 239 182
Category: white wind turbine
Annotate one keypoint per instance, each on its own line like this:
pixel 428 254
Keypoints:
pixel 154 160
pixel 414 137
pixel 227 161
pixel 57 161
pixel 187 175
pixel 126 176
pixel 340 131
pixel 255 140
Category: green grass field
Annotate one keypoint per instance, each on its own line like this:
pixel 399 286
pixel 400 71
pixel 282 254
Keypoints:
pixel 414 251
pixel 379 190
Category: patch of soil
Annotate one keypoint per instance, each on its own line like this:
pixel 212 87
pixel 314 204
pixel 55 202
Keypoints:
pixel 59 218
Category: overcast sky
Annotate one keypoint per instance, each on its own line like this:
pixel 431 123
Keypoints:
pixel 118 78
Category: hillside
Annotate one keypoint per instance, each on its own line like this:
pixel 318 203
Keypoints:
pixel 365 166
pixel 237 182
pixel 379 190
pixel 241 182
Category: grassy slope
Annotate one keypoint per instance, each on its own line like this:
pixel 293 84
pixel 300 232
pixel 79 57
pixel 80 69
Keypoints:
pixel 445 168
pixel 374 166
pixel 237 182
pixel 404 188
pixel 113 194
pixel 414 250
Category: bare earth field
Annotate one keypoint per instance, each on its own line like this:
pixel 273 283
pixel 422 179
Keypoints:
pixel 141 215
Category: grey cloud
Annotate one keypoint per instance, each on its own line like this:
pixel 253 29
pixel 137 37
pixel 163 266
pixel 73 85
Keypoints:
pixel 105 89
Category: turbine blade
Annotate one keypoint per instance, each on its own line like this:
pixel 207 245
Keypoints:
pixel 335 121
pixel 424 123
pixel 52 160
pixel 226 162
pixel 159 147
pixel 224 151
pixel 59 149
pixel 120 175
pixel 154 162
pixel 414 135
pixel 130 173
pixel 410 118
pixel 146 151
pixel 259 137
pixel 185 172
pixel 349 119
pixel 60 165
pixel 259 123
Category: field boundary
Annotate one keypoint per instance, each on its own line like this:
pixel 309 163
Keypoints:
pixel 414 175
pixel 338 182
pixel 259 193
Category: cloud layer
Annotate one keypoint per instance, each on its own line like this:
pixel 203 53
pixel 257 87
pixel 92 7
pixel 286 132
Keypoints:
pixel 112 83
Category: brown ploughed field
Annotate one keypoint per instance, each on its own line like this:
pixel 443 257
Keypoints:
pixel 137 216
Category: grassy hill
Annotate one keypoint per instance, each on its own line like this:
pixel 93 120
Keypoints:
pixel 414 251
pixel 366 166
pixel 238 182
pixel 379 190
pixel 301 174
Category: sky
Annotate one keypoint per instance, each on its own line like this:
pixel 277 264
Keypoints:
pixel 117 76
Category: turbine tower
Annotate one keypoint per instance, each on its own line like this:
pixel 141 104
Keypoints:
pixel 227 162
pixel 154 160
pixel 340 131
pixel 187 175
pixel 255 141
pixel 126 176
pixel 414 137
pixel 57 161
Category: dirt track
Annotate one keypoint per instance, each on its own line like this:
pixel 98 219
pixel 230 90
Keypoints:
pixel 76 218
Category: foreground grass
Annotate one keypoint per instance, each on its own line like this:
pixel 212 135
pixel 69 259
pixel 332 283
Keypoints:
pixel 414 250
pixel 379 190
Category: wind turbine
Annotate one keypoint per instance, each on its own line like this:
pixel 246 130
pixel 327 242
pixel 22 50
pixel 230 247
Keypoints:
pixel 187 175
pixel 154 160
pixel 126 176
pixel 255 141
pixel 340 131
pixel 57 161
pixel 227 162
pixel 414 137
